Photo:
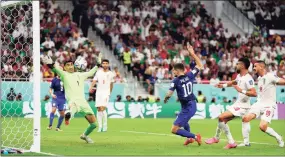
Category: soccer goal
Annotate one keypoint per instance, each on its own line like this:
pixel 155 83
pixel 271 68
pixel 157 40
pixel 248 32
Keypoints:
pixel 20 75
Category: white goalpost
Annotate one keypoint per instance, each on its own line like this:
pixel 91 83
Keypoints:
pixel 20 75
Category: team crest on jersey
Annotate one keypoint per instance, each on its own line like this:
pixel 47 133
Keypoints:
pixel 172 85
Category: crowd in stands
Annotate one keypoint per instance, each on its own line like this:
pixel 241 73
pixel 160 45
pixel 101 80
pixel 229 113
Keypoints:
pixel 16 37
pixel 265 14
pixel 60 38
pixel 150 36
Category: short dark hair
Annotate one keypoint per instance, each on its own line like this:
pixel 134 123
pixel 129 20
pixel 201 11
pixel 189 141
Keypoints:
pixel 261 61
pixel 179 66
pixel 68 61
pixel 105 60
pixel 245 61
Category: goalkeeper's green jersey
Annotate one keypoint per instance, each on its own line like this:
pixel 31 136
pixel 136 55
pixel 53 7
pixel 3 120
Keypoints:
pixel 74 82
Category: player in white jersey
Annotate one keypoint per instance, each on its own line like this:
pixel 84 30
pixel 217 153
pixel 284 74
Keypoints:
pixel 266 100
pixel 244 84
pixel 104 79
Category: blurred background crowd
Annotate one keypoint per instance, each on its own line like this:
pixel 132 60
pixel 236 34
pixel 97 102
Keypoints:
pixel 149 37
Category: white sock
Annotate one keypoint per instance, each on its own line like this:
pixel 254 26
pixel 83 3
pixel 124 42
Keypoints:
pixel 271 132
pixel 100 119
pixel 245 132
pixel 219 129
pixel 105 117
pixel 228 134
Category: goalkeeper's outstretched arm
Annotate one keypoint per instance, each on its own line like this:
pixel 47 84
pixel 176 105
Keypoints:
pixel 90 73
pixel 55 68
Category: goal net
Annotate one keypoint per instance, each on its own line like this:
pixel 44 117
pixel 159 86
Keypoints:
pixel 20 75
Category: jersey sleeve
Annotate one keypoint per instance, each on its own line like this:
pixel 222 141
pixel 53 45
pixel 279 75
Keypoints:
pixel 274 78
pixel 237 78
pixel 52 84
pixel 193 73
pixel 250 83
pixel 90 73
pixel 172 85
pixel 58 70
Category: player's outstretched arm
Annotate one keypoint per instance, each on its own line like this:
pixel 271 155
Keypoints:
pixel 224 85
pixel 168 95
pixel 90 72
pixel 251 92
pixel 198 62
pixel 50 63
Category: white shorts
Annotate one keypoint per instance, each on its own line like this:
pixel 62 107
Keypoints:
pixel 102 100
pixel 238 110
pixel 264 112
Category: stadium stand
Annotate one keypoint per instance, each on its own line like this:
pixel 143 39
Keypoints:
pixel 60 38
pixel 153 35
pixel 16 33
pixel 266 14
pixel 149 37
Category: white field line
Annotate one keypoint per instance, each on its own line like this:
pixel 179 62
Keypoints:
pixel 159 134
pixel 26 151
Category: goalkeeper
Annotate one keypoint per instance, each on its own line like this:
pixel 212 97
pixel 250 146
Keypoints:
pixel 74 92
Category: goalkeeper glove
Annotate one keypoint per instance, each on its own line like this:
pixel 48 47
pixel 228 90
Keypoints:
pixel 48 61
pixel 99 59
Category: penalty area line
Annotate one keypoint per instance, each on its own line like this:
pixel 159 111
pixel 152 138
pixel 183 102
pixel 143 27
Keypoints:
pixel 160 134
pixel 28 151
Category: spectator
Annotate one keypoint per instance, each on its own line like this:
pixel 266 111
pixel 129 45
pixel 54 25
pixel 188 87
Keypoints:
pixel 157 100
pixel 128 98
pixel 140 99
pixel 200 97
pixel 214 80
pixel 119 98
pixel 127 59
pixel 118 78
pixel 19 97
pixel 11 95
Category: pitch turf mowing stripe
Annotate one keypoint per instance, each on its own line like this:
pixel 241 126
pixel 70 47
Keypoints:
pixel 152 133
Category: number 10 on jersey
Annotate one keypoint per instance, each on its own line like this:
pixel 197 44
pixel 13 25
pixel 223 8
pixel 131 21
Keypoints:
pixel 187 89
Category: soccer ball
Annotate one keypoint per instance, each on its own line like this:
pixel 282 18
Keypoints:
pixel 80 63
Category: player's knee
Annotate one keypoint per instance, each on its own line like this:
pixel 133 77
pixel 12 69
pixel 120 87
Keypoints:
pixel 53 110
pixel 221 118
pixel 61 113
pixel 263 126
pixel 245 119
pixel 174 129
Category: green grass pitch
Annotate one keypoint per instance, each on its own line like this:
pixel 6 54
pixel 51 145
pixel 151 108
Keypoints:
pixel 153 137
